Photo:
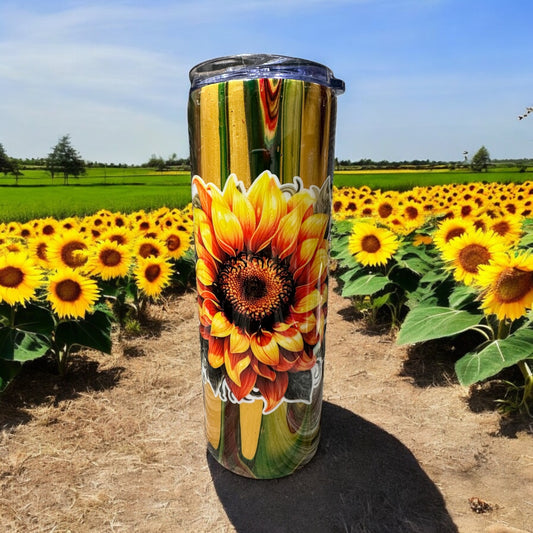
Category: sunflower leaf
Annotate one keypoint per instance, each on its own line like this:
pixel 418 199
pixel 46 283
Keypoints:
pixel 94 331
pixel 499 354
pixel 365 285
pixel 426 323
pixel 34 319
pixel 8 370
pixel 21 346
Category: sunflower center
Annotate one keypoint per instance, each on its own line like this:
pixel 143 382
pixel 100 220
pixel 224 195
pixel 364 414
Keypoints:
pixel 411 212
pixel 255 291
pixel 71 256
pixel 152 272
pixel 473 255
pixel 370 244
pixel 502 227
pixel 173 243
pixel 385 210
pixel 110 258
pixel 455 232
pixel 11 277
pixel 147 249
pixel 68 290
pixel 513 284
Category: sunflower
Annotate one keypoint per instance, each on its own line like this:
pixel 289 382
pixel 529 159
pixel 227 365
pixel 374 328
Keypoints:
pixel 68 250
pixel 412 213
pixel 109 260
pixel 508 226
pixel 19 278
pixel 121 235
pixel 372 245
pixel 176 242
pixel 449 229
pixel 470 250
pixel 71 294
pixel 145 247
pixel 152 274
pixel 507 285
pixel 38 249
pixel 46 226
pixel 261 271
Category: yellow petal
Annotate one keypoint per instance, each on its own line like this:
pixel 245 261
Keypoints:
pixel 220 325
pixel 314 227
pixel 239 341
pixel 215 352
pixel 286 237
pixel 227 228
pixel 265 348
pixel 204 273
pixel 306 301
pixel 235 364
pixel 290 340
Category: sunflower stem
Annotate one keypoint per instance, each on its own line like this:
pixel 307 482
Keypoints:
pixel 504 327
pixel 528 385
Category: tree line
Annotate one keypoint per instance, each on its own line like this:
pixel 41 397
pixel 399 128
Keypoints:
pixel 65 161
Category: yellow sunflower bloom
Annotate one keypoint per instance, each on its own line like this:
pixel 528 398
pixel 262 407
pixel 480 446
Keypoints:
pixel 262 260
pixel 176 242
pixel 38 250
pixel 449 229
pixel 71 294
pixel 470 250
pixel 508 226
pixel 68 249
pixel 109 260
pixel 507 286
pixel 372 245
pixel 152 275
pixel 19 278
pixel 145 247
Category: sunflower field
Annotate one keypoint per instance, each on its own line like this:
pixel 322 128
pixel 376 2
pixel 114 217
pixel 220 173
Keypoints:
pixel 436 262
pixel 64 283
pixel 441 261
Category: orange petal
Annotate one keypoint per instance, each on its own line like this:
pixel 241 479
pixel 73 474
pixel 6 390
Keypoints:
pixel 286 361
pixel 306 301
pixel 303 254
pixel 306 361
pixel 269 205
pixel 286 237
pixel 265 348
pixel 235 364
pixel 215 352
pixel 205 197
pixel 306 321
pixel 314 227
pixel 227 228
pixel 208 239
pixel 290 339
pixel 205 273
pixel 317 271
pixel 302 199
pixel 220 325
pixel 245 212
pixel 273 391
pixel 263 370
pixel 239 340
pixel 247 381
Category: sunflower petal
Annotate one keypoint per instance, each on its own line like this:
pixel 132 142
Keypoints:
pixel 273 391
pixel 235 364
pixel 204 272
pixel 286 237
pixel 227 228
pixel 290 339
pixel 265 347
pixel 306 301
pixel 247 381
pixel 263 370
pixel 215 352
pixel 220 325
pixel 239 341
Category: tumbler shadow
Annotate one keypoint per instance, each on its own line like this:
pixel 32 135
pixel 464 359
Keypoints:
pixel 361 480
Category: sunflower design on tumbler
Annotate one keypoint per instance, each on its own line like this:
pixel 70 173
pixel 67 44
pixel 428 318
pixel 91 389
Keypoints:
pixel 261 268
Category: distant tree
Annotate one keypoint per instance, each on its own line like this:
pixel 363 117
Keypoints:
pixel 6 163
pixel 64 159
pixel 481 160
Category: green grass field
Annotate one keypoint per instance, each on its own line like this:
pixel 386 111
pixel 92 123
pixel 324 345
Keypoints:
pixel 129 189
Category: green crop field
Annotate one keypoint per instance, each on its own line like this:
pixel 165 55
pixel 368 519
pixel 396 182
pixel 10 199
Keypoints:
pixel 36 195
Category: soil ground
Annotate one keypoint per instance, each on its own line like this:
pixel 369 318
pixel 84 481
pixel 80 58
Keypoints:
pixel 119 446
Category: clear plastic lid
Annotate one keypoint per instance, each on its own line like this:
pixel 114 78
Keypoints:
pixel 254 66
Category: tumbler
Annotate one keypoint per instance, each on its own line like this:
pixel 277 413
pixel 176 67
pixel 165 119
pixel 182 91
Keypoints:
pixel 261 133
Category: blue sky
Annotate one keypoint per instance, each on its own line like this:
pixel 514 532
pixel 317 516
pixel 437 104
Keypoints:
pixel 425 79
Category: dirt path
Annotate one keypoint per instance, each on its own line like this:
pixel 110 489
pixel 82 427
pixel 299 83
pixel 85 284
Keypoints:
pixel 119 446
